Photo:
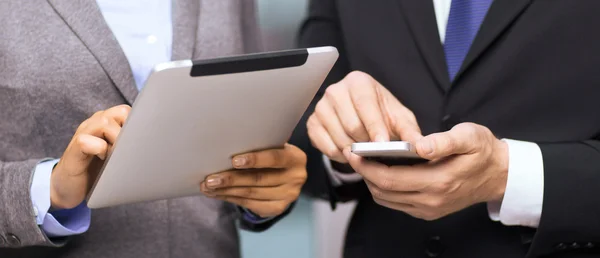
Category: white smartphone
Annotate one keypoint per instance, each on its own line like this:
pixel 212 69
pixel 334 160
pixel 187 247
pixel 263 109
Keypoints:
pixel 395 153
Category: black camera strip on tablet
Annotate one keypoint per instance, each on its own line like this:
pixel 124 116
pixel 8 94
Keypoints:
pixel 249 63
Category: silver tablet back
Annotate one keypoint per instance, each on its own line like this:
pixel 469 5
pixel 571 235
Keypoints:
pixel 192 117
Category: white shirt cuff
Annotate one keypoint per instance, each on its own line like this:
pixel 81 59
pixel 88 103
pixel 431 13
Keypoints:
pixel 524 195
pixel 338 178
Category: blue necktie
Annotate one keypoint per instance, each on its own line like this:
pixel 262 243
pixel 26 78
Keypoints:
pixel 465 19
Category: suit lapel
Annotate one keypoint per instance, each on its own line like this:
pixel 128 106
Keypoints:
pixel 185 26
pixel 420 17
pixel 86 21
pixel 500 16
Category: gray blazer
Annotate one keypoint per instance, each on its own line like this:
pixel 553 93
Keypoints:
pixel 59 63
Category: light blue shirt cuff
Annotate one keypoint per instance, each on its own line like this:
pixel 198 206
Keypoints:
pixel 58 223
pixel 70 222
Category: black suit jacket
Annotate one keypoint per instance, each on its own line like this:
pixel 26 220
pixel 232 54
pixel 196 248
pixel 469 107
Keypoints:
pixel 533 74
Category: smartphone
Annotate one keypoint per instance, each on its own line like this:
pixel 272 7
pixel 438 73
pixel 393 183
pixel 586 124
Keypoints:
pixel 395 153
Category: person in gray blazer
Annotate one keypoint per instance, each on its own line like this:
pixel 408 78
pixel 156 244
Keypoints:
pixel 69 69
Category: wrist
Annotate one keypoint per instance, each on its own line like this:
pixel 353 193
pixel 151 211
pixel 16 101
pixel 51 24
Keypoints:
pixel 57 199
pixel 55 203
pixel 501 171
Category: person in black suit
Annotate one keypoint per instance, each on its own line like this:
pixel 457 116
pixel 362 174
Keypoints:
pixel 501 96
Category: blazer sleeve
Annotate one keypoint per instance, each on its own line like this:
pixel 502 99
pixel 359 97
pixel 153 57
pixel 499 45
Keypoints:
pixel 321 28
pixel 18 227
pixel 570 219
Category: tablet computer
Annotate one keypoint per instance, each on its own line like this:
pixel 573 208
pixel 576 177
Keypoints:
pixel 192 117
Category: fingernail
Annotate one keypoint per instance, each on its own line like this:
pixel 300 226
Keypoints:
pixel 426 147
pixel 239 161
pixel 214 182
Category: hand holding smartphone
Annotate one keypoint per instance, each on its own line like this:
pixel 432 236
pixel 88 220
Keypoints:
pixel 395 153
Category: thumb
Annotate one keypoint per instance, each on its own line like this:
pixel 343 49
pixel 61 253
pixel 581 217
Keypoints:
pixel 460 140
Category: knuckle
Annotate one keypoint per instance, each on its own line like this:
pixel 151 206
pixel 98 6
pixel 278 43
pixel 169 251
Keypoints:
pixel 302 158
pixel 124 109
pixel 320 108
pixel 294 193
pixel 376 192
pixel 228 179
pixel 469 129
pixel 355 129
pixel 281 207
pixel 386 184
pixel 278 157
pixel 79 140
pixel 104 120
pixel 302 176
pixel 250 159
pixel 443 186
pixel 332 152
pixel 435 202
pixel 312 122
pixel 299 175
pixel 258 177
pixel 447 142
pixel 249 192
pixel 358 77
pixel 333 91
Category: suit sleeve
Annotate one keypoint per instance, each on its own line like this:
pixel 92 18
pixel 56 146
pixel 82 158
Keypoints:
pixel 321 28
pixel 17 216
pixel 570 219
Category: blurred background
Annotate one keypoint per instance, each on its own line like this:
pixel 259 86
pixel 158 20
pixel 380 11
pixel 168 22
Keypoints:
pixel 312 230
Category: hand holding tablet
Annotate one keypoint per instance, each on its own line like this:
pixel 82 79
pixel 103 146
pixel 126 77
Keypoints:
pixel 265 182
pixel 188 122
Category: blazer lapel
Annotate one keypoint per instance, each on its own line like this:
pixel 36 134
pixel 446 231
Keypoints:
pixel 420 16
pixel 86 21
pixel 185 26
pixel 500 16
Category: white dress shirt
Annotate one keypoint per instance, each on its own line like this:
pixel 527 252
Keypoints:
pixel 523 198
